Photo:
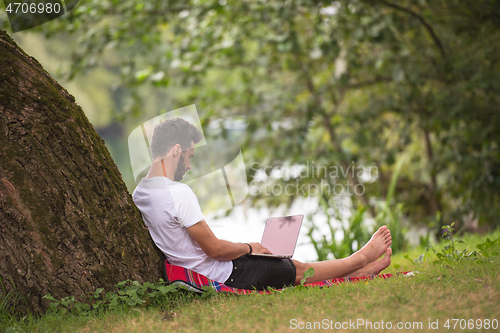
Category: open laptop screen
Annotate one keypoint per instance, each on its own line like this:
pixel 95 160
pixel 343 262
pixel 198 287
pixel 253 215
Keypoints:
pixel 281 233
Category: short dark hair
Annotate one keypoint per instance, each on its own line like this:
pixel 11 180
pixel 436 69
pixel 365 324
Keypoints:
pixel 173 131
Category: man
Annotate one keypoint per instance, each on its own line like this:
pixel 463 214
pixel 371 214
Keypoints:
pixel 177 226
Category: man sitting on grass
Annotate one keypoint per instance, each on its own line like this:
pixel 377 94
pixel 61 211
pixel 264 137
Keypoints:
pixel 177 226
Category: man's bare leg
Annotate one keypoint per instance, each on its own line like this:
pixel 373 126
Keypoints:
pixel 375 267
pixel 331 269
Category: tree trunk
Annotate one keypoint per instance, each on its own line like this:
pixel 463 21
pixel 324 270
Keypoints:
pixel 68 224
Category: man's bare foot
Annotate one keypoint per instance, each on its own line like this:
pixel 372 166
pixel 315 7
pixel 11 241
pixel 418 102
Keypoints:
pixel 376 246
pixel 375 267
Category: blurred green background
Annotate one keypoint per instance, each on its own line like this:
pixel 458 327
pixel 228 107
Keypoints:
pixel 408 88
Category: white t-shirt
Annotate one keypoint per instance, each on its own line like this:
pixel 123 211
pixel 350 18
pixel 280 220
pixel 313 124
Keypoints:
pixel 168 208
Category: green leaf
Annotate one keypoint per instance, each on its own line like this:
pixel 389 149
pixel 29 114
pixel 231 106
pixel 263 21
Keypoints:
pixel 142 75
pixel 420 259
pixel 307 274
pixel 50 298
pixel 98 292
pixel 122 283
pixel 96 304
pixel 407 257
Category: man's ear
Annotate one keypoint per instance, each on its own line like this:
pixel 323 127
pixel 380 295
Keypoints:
pixel 176 150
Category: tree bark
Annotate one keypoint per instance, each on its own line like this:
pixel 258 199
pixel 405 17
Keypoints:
pixel 68 224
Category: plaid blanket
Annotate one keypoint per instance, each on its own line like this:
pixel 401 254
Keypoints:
pixel 195 282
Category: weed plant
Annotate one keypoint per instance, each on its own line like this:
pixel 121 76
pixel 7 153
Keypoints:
pixel 12 302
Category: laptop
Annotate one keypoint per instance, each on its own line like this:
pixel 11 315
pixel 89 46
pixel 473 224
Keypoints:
pixel 280 236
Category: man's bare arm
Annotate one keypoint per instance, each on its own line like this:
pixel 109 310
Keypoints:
pixel 220 249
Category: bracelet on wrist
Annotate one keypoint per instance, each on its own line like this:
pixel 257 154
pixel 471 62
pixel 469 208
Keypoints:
pixel 251 250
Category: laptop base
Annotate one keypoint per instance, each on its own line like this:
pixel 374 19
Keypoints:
pixel 276 256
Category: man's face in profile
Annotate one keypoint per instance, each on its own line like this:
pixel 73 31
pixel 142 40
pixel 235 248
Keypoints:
pixel 184 163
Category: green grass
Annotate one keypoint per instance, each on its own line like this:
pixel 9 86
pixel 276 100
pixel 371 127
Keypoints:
pixel 465 290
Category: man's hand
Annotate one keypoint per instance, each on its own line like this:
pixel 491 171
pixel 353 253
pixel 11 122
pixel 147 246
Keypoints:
pixel 217 248
pixel 258 248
